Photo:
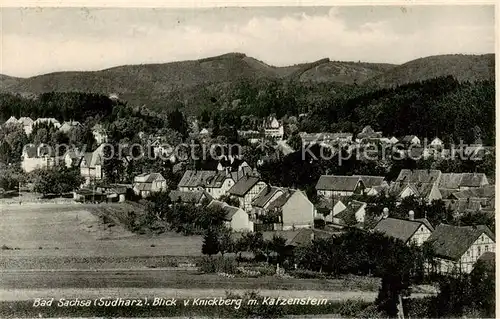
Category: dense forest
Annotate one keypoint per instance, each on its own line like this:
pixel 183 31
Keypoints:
pixel 441 107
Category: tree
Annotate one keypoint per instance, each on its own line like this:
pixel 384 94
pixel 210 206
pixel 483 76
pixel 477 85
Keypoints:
pixel 56 180
pixel 210 243
pixel 226 242
pixel 278 245
pixel 230 200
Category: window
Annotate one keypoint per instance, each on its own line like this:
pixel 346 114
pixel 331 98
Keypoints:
pixel 486 248
pixel 479 251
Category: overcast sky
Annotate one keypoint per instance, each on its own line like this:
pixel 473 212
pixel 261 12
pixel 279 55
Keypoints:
pixel 36 41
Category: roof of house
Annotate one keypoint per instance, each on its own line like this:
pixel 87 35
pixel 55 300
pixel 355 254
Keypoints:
pixel 447 193
pixel 419 176
pixel 230 210
pixel 243 185
pixel 402 229
pixel 451 242
pixel 242 172
pixel 187 197
pixel 194 178
pixel 265 195
pixel 407 138
pixel 327 203
pixel 371 181
pixel 350 212
pixel 487 191
pixel 338 183
pixel 457 180
pixel 463 205
pixel 282 199
pixel 306 235
pixel 148 178
pixel 25 121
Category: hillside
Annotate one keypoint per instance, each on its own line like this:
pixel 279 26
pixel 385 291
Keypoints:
pixel 461 67
pixel 200 81
pixel 167 77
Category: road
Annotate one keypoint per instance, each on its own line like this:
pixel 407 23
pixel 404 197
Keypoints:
pixel 24 285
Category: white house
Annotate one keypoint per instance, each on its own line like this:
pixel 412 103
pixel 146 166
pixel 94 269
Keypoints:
pixel 273 128
pixel 146 184
pixel 436 143
pixel 34 157
pixel 456 249
pixel 355 212
pixel 294 210
pixel 11 120
pixel 100 134
pixel 327 208
pixel 410 140
pixel 236 218
pixel 48 120
pixel 91 165
pixel 27 124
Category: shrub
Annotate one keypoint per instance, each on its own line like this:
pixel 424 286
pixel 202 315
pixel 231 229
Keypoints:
pixel 352 308
pixel 5 247
pixel 218 265
pixel 306 274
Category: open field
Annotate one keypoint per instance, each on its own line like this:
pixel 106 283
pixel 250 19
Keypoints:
pixel 71 230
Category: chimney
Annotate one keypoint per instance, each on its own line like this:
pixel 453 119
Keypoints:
pixel 385 213
pixel 411 215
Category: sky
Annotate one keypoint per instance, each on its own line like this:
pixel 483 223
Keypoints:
pixel 43 40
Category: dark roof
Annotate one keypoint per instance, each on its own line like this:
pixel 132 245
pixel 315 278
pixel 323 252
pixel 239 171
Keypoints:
pixel 407 138
pixel 371 181
pixel 457 180
pixel 230 210
pixel 243 185
pixel 487 191
pixel 186 197
pixel 193 178
pixel 463 205
pixel 447 193
pixel 402 229
pixel 327 203
pixel 350 211
pixel 419 176
pixel 451 242
pixel 337 183
pixel 305 236
pixel 265 195
pixel 217 180
pixel 420 189
pixel 281 200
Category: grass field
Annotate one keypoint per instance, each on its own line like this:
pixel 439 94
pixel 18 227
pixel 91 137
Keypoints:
pixel 71 230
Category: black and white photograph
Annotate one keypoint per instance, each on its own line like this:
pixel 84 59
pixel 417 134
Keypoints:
pixel 247 161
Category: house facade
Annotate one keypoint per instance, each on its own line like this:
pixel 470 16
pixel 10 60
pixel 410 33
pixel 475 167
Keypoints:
pixel 91 165
pixel 34 157
pixel 333 186
pixel 273 128
pixel 236 218
pixel 458 248
pixel 245 190
pixel 146 184
pixel 410 231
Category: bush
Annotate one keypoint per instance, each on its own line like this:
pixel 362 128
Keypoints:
pixel 217 265
pixel 352 308
pixel 306 274
pixel 5 247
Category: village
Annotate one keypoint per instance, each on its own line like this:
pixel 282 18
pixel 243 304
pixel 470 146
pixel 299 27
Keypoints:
pixel 338 203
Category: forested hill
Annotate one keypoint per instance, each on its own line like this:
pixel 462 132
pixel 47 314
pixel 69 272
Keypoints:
pixel 161 86
pixel 461 67
pixel 441 107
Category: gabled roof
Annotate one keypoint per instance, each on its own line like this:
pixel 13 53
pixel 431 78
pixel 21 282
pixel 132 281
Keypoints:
pixel 265 195
pixel 487 191
pixel 451 242
pixel 338 183
pixel 419 176
pixel 402 229
pixel 11 120
pixel 457 180
pixel 187 197
pixel 243 185
pixel 193 178
pixel 463 205
pixel 351 209
pixel 148 178
pixel 407 138
pixel 25 121
pixel 230 210
pixel 371 181
pixel 281 200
